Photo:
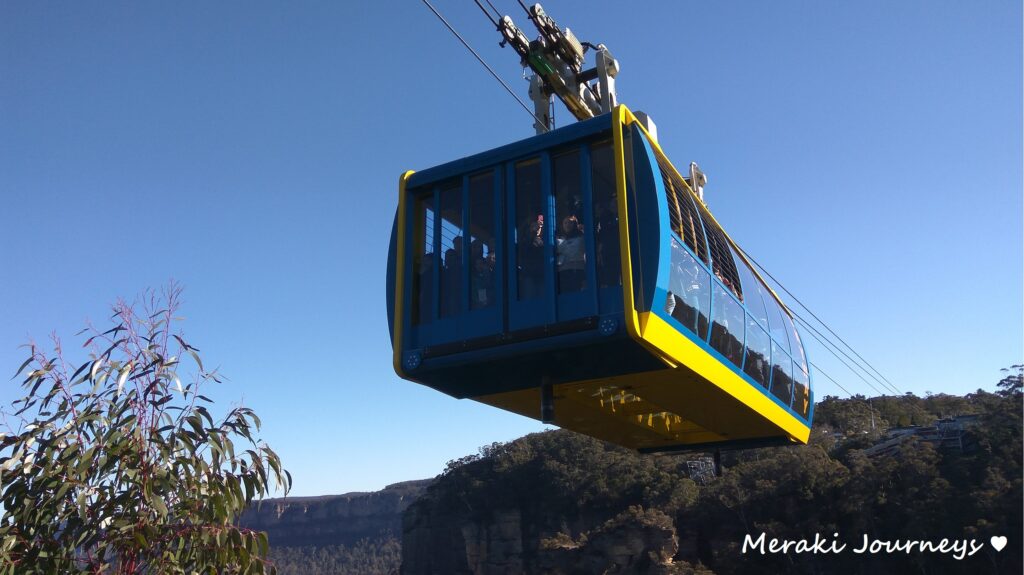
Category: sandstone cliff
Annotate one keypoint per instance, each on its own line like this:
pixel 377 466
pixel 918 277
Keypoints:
pixel 637 541
pixel 334 519
pixel 549 504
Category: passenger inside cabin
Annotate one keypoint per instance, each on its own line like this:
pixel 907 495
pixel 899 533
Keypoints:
pixel 481 276
pixel 684 289
pixel 756 365
pixel 782 384
pixel 576 209
pixel 452 288
pixel 718 274
pixel 530 249
pixel 571 256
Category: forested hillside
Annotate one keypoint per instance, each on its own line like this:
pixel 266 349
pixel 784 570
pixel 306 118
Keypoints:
pixel 548 502
pixel 561 503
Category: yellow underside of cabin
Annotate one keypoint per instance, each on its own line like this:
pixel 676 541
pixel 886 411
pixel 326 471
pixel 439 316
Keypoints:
pixel 658 409
pixel 694 400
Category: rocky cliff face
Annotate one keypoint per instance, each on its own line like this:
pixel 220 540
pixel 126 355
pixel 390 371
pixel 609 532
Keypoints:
pixel 636 541
pixel 551 503
pixel 334 519
pixel 435 541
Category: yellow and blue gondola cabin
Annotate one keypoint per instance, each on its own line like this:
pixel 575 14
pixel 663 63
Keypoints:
pixel 578 269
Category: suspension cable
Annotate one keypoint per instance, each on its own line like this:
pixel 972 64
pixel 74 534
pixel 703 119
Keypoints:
pixel 815 336
pixel 867 400
pixel 806 324
pixel 486 13
pixel 830 330
pixel 481 60
pixel 496 12
pixel 828 377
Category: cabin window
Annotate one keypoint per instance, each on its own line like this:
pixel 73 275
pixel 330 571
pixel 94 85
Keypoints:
pixel 423 259
pixel 722 264
pixel 776 322
pixel 606 214
pixel 689 296
pixel 752 290
pixel 570 247
pixel 799 359
pixel 530 232
pixel 683 215
pixel 452 246
pixel 782 374
pixel 482 255
pixel 801 395
pixel 757 364
pixel 727 326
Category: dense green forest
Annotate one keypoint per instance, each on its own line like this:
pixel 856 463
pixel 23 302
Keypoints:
pixel 577 497
pixel 379 556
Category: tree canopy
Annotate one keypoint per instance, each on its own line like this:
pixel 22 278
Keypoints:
pixel 567 487
pixel 116 465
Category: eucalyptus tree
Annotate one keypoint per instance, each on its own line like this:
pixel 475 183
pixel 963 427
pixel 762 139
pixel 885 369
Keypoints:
pixel 116 465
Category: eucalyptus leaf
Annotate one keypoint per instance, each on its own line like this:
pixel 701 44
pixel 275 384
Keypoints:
pixel 99 478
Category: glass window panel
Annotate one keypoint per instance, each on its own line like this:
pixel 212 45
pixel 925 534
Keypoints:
pixel 452 249
pixel 727 325
pixel 606 214
pixel 689 296
pixel 751 290
pixel 529 231
pixel 801 392
pixel 757 362
pixel 775 321
pixel 782 374
pixel 683 215
pixel 799 359
pixel 482 255
pixel 570 248
pixel 423 259
pixel 722 264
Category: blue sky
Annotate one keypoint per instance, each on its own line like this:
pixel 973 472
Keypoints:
pixel 867 153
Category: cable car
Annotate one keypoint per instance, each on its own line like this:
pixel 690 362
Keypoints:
pixel 576 277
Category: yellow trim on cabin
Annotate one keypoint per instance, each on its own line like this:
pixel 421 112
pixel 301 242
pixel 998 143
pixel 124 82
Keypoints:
pixel 656 334
pixel 619 120
pixel 665 157
pixel 396 345
pixel 683 350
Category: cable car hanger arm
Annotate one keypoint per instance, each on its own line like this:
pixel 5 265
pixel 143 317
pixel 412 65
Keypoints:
pixel 556 59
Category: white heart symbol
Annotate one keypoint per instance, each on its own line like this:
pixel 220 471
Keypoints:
pixel 998 542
